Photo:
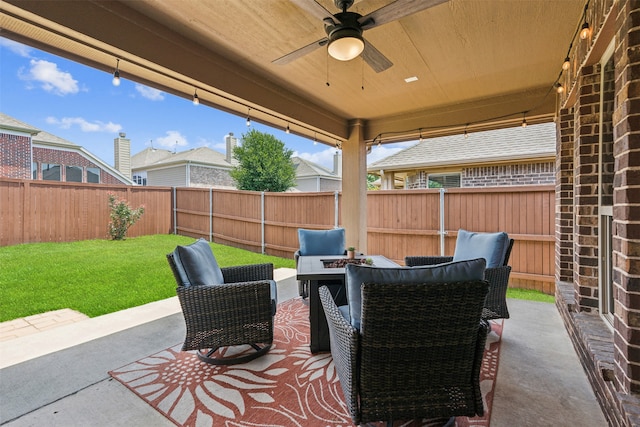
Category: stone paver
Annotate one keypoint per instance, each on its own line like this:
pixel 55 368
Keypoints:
pixel 17 328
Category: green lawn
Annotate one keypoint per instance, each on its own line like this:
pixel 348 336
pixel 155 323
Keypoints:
pixel 96 277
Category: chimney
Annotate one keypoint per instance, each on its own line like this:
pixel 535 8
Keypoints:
pixel 232 142
pixel 337 164
pixel 122 154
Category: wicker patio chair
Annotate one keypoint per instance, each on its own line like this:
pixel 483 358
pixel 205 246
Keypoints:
pixel 228 311
pixel 397 365
pixel 318 242
pixel 497 274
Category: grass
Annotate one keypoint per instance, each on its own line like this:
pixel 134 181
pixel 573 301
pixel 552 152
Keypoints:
pixel 529 295
pixel 97 277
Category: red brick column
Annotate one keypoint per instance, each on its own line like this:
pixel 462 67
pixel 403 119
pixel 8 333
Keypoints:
pixel 626 198
pixel 586 162
pixel 564 196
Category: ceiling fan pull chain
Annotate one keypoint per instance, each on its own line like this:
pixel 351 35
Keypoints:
pixel 328 84
pixel 362 72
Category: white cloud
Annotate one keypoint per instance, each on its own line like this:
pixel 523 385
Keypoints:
pixel 84 125
pixel 322 158
pixel 15 47
pixel 50 78
pixel 172 139
pixel 382 151
pixel 150 93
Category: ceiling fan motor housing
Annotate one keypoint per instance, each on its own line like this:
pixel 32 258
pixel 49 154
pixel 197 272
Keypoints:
pixel 348 26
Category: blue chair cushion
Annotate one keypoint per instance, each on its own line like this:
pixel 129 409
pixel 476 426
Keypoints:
pixel 197 263
pixel 490 246
pixel 356 275
pixel 321 242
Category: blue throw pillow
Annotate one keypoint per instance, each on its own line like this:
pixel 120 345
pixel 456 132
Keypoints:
pixel 490 246
pixel 356 275
pixel 321 242
pixel 198 263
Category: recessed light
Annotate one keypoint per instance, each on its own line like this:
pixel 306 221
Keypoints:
pixel 411 79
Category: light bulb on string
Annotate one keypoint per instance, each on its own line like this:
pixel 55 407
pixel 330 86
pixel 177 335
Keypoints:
pixel 196 100
pixel 566 64
pixel 116 74
pixel 585 31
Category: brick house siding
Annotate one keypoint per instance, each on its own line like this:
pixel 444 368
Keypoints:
pixel 506 175
pixel 15 156
pixel 495 175
pixel 202 176
pixel 597 170
pixel 69 158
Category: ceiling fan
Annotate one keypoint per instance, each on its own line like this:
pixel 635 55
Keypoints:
pixel 344 30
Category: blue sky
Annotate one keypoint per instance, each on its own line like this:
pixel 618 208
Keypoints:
pixel 81 105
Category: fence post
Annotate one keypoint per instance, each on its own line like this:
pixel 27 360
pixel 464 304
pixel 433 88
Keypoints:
pixel 336 209
pixel 175 212
pixel 262 219
pixel 210 214
pixel 442 231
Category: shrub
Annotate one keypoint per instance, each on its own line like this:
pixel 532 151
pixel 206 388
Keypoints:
pixel 122 217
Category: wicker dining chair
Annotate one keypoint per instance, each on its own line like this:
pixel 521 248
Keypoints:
pixel 318 242
pixel 228 311
pixel 497 272
pixel 396 366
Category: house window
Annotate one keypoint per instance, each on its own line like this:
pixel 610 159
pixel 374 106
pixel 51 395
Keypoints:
pixel 442 180
pixel 139 179
pixel 73 174
pixel 34 170
pixel 605 185
pixel 50 172
pixel 93 175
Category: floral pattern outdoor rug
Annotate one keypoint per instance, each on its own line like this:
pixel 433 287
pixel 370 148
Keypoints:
pixel 288 386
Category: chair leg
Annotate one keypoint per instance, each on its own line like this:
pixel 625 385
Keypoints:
pixel 206 355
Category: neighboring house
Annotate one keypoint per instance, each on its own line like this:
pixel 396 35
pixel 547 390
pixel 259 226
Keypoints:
pixel 313 177
pixel 503 157
pixel 204 167
pixel 29 153
pixel 198 167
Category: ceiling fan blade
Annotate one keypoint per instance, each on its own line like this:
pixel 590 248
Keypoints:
pixel 394 11
pixel 315 9
pixel 298 53
pixel 375 58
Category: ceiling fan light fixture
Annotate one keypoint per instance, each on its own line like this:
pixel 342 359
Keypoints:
pixel 345 43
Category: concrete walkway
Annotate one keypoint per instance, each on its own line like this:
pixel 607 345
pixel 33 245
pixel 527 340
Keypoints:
pixel 59 377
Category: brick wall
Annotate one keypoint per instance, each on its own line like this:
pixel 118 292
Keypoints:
pixel 71 158
pixel 539 173
pixel 586 162
pixel 564 196
pixel 626 197
pixel 202 176
pixel 15 156
pixel 505 175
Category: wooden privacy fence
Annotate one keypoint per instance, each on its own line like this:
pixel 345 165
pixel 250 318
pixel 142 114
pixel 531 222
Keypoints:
pixel 400 222
pixel 46 211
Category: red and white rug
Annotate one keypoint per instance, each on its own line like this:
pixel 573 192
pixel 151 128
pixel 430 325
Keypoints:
pixel 289 386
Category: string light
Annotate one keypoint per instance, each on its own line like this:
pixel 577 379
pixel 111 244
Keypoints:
pixel 524 120
pixel 196 100
pixel 584 32
pixel 248 117
pixel 116 74
pixel 466 135
pixel 315 139
pixel 287 130
pixel 559 87
pixel 567 62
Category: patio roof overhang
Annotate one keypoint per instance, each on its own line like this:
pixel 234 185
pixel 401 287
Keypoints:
pixel 480 65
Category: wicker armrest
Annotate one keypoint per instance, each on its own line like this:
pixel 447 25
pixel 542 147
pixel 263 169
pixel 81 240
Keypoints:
pixel 495 306
pixel 414 261
pixel 247 273
pixel 344 348
pixel 236 313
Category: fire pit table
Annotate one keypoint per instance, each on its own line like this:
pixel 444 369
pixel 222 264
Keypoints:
pixel 327 270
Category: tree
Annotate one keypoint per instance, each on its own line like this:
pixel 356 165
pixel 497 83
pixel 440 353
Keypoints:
pixel 264 164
